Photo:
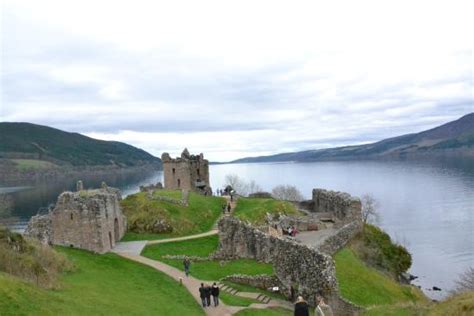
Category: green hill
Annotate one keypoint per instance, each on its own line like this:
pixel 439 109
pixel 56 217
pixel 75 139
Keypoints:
pixel 453 138
pixel 30 145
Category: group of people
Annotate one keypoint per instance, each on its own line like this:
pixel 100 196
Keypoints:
pixel 290 231
pixel 302 307
pixel 205 293
pixel 226 208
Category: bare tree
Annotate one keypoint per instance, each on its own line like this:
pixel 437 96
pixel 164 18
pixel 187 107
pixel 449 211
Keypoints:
pixel 241 186
pixel 465 282
pixel 254 187
pixel 370 207
pixel 287 192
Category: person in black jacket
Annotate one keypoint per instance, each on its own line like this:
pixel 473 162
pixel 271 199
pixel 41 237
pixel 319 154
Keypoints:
pixel 202 294
pixel 301 307
pixel 208 295
pixel 215 293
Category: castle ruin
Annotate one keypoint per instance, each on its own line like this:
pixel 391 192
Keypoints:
pixel 188 172
pixel 85 219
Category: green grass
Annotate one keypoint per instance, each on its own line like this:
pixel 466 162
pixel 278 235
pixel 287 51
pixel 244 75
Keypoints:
pixel 205 270
pixel 264 312
pixel 101 285
pixel 396 311
pixel 234 300
pixel 248 288
pixel 366 286
pixel 142 213
pixel 214 270
pixel 255 210
pixel 31 164
pixel 201 247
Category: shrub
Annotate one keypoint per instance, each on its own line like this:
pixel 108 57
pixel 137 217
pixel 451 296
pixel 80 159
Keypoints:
pixel 377 249
pixel 30 260
pixel 287 192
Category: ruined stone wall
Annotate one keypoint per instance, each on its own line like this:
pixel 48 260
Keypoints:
pixel 87 219
pixel 293 263
pixel 340 238
pixel 185 172
pixel 343 206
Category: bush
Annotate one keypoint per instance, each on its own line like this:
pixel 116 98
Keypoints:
pixel 30 260
pixel 377 249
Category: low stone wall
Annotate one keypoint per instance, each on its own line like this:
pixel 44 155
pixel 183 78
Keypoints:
pixel 168 199
pixel 263 281
pixel 342 236
pixel 303 223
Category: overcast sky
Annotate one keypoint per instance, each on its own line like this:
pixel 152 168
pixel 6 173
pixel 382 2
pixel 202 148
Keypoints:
pixel 240 78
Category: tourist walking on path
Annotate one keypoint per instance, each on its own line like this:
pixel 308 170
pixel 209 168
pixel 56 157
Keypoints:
pixel 322 309
pixel 229 207
pixel 202 294
pixel 208 295
pixel 224 208
pixel 215 294
pixel 187 265
pixel 301 307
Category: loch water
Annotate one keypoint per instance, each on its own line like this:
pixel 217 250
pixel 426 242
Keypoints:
pixel 426 206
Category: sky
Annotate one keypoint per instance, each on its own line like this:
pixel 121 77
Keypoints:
pixel 236 78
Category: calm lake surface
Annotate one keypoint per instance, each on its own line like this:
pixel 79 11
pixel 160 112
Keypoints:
pixel 428 207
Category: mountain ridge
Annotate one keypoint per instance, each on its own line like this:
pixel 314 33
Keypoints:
pixel 21 140
pixel 452 138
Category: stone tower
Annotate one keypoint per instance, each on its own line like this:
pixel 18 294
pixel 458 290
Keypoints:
pixel 188 172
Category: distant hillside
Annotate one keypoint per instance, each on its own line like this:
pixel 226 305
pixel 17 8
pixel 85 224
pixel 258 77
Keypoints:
pixel 42 146
pixel 453 138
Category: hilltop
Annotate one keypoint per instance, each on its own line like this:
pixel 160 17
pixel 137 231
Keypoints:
pixel 31 141
pixel 453 138
pixel 27 150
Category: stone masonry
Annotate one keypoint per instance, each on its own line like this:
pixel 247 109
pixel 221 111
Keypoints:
pixel 86 219
pixel 341 206
pixel 294 264
pixel 188 172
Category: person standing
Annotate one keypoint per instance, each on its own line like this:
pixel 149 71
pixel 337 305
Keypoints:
pixel 322 309
pixel 187 265
pixel 229 208
pixel 301 307
pixel 208 295
pixel 215 294
pixel 202 294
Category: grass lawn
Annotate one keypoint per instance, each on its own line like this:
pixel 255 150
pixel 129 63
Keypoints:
pixel 32 164
pixel 142 213
pixel 265 312
pixel 254 210
pixel 205 270
pixel 365 286
pixel 248 288
pixel 101 285
pixel 201 247
pixel 213 270
pixel 234 300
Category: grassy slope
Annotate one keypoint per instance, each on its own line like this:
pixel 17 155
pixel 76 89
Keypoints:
pixel 366 286
pixel 264 312
pixel 102 285
pixel 233 300
pixel 205 270
pixel 24 140
pixel 198 217
pixel 31 164
pixel 255 210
